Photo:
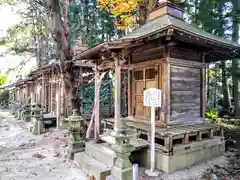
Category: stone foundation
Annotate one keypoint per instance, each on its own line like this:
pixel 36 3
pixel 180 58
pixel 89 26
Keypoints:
pixel 184 156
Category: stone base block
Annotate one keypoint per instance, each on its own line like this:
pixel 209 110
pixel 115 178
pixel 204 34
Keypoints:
pixel 38 127
pixel 64 124
pixel 91 166
pixel 101 152
pixel 75 147
pixel 120 174
pixel 182 158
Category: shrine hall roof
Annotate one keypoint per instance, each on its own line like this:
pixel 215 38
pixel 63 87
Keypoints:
pixel 183 31
pixel 165 21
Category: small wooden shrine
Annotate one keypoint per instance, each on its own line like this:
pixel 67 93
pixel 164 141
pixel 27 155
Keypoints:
pixel 169 54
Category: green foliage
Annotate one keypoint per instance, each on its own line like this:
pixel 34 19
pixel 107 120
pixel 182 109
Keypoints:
pixel 88 23
pixel 4 97
pixel 3 79
pixel 211 115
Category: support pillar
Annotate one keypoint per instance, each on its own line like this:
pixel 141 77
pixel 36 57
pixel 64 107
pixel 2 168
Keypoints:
pixel 81 90
pixel 122 169
pixel 97 99
pixel 43 93
pixel 117 94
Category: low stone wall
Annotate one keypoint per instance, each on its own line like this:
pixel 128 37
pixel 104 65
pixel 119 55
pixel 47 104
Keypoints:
pixel 198 152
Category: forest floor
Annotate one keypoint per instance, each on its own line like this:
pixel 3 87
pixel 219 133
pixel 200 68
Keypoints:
pixel 24 156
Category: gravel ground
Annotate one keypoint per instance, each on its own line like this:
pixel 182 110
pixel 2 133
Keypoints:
pixel 24 156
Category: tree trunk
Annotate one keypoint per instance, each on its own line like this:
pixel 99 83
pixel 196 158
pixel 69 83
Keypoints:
pixel 208 89
pixel 220 32
pixel 60 34
pixel 235 62
pixel 226 101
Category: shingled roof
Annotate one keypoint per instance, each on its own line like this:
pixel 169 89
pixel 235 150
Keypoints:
pixel 227 48
pixel 166 21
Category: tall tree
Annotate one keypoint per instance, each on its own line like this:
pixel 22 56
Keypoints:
pixel 58 24
pixel 235 63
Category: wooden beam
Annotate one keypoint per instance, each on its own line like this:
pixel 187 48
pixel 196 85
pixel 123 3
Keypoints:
pixel 144 64
pixel 185 63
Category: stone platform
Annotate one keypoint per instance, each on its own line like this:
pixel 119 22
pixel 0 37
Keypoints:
pixel 99 158
pixel 185 156
pixel 178 147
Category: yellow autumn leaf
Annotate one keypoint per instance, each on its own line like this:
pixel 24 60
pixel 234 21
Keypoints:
pixel 120 7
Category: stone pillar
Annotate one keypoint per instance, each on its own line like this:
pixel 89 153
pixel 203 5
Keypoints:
pixel 77 132
pixel 37 116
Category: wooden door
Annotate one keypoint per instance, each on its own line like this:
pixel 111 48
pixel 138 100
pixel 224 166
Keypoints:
pixel 143 79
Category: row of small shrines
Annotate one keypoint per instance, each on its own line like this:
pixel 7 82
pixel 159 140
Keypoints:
pixel 44 87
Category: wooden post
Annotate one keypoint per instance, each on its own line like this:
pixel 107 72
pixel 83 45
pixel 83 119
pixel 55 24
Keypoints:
pixel 203 87
pixel 211 133
pixel 57 108
pixel 130 93
pixel 81 92
pixel 117 94
pixel 186 138
pixel 166 94
pixel 97 95
pixel 168 143
pixel 61 97
pixel 51 95
pixel 43 93
pixel 153 120
pixel 152 98
pixel 199 136
pixel 221 131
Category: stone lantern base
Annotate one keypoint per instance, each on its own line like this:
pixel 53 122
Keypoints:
pixel 122 169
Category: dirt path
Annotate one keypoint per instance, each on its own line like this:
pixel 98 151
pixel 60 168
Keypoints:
pixel 24 156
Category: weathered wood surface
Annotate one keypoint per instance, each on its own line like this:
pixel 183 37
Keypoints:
pixel 147 52
pixel 185 94
pixel 147 56
pixel 184 53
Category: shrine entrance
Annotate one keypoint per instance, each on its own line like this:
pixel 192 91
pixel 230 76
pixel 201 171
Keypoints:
pixel 143 78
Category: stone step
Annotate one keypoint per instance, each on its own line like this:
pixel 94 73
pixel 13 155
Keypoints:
pixel 101 152
pixel 91 166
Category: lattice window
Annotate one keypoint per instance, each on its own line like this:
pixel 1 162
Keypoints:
pixel 138 75
pixel 150 73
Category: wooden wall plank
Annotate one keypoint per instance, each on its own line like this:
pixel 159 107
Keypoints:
pixel 185 94
pixel 185 53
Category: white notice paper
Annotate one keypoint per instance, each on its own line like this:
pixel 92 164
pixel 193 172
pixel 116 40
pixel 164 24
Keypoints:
pixel 152 97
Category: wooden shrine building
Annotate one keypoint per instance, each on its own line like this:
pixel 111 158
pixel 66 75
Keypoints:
pixel 44 86
pixel 169 54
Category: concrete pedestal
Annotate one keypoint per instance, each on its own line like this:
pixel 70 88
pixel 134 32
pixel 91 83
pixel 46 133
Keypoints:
pixel 198 152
